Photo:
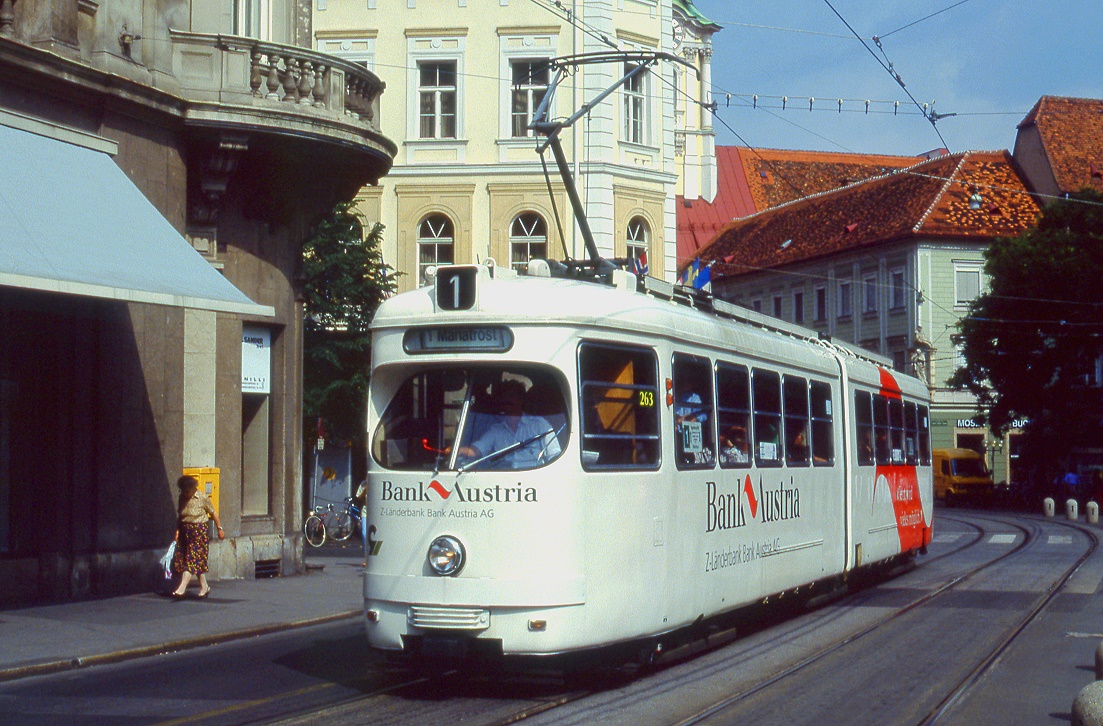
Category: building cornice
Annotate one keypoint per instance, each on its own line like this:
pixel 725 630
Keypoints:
pixel 530 30
pixel 366 33
pixel 634 174
pixel 436 32
pixel 637 38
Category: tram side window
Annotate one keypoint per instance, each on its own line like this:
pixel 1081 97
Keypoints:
pixel 796 421
pixel 863 417
pixel 823 429
pixel 693 419
pixel 896 432
pixel 911 452
pixel 618 386
pixel 766 387
pixel 881 430
pixel 733 415
pixel 924 436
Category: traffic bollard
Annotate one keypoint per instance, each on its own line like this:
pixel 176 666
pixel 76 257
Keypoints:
pixel 1087 709
pixel 1070 509
pixel 1092 510
pixel 1048 506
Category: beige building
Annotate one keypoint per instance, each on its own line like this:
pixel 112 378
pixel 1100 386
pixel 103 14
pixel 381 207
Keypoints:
pixel 463 80
pixel 162 164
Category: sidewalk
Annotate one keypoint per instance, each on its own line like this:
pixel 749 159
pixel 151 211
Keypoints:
pixel 50 638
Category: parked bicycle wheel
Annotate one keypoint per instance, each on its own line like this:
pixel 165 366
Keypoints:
pixel 314 530
pixel 343 529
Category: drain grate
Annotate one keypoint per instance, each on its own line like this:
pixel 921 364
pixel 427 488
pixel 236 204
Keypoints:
pixel 266 568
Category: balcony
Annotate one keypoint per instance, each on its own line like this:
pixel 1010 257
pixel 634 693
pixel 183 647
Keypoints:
pixel 232 82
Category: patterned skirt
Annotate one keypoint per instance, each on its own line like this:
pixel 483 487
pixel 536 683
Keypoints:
pixel 192 549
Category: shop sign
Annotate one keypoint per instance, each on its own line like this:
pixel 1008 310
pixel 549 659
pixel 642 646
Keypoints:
pixel 256 359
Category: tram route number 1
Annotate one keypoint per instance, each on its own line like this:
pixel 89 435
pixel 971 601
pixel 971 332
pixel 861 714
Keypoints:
pixel 456 288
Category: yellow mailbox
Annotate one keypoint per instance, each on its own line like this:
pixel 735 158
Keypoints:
pixel 208 477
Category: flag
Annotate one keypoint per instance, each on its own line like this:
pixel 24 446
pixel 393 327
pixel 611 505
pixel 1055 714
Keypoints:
pixel 639 264
pixel 703 277
pixel 690 273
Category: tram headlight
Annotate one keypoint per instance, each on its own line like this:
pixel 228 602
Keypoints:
pixel 446 556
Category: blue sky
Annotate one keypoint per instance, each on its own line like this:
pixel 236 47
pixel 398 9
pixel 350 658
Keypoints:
pixel 988 61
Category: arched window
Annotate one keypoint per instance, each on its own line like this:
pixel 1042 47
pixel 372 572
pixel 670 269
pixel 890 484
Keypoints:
pixel 435 237
pixel 528 239
pixel 639 237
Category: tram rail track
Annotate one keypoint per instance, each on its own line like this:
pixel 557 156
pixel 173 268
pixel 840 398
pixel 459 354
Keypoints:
pixel 533 707
pixel 969 679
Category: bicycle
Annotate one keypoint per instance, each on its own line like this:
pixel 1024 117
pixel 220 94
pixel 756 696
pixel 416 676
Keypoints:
pixel 324 522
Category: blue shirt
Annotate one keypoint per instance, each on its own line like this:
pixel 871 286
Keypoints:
pixel 500 435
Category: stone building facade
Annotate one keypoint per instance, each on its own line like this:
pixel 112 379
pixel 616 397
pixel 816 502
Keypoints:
pixel 116 370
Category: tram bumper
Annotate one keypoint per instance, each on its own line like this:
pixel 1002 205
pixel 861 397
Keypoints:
pixel 436 646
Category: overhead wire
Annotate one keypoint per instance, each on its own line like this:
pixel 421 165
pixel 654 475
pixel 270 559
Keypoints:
pixel 891 71
pixel 917 22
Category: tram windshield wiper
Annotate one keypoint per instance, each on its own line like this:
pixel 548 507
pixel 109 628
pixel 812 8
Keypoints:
pixel 513 447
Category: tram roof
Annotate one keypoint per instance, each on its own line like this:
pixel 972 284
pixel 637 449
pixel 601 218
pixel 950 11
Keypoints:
pixel 643 306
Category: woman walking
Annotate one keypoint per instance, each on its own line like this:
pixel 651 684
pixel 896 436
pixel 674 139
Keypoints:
pixel 193 510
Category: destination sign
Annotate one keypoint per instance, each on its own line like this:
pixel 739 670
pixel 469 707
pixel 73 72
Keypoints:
pixel 479 339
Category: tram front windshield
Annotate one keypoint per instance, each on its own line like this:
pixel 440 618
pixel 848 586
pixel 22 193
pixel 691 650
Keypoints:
pixel 473 418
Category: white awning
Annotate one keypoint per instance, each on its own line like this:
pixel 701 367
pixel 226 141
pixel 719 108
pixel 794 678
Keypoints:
pixel 72 222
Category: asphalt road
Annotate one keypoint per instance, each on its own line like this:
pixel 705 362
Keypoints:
pixel 872 657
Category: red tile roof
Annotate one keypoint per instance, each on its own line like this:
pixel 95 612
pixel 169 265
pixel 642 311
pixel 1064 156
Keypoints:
pixel 777 177
pixel 1071 131
pixel 752 180
pixel 930 199
pixel 698 220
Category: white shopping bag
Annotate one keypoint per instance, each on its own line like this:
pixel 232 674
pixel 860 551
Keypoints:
pixel 166 561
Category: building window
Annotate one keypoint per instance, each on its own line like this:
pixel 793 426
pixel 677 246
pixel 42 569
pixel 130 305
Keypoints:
pixel 821 304
pixel 869 286
pixel 756 305
pixel 635 105
pixel 958 357
pixel 845 300
pixel 798 307
pixel 899 299
pixel 638 238
pixel 900 361
pixel 251 19
pixel 777 306
pixel 530 83
pixel 437 92
pixel 528 239
pixel 966 285
pixel 435 237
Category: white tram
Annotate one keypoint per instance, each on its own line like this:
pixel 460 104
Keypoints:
pixel 673 464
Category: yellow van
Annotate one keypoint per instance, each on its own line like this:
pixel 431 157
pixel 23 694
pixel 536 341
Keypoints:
pixel 960 474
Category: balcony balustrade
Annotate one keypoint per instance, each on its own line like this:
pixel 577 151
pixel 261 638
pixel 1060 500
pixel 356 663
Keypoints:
pixel 234 70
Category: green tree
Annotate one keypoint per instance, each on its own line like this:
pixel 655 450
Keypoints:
pixel 345 281
pixel 1033 341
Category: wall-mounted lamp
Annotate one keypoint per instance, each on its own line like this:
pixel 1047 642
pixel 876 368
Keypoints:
pixel 975 199
pixel 127 39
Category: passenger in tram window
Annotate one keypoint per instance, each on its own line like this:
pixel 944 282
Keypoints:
pixel 798 447
pixel 882 449
pixel 690 419
pixel 733 446
pixel 513 426
pixel 865 447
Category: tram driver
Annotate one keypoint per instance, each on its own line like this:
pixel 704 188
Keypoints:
pixel 513 426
